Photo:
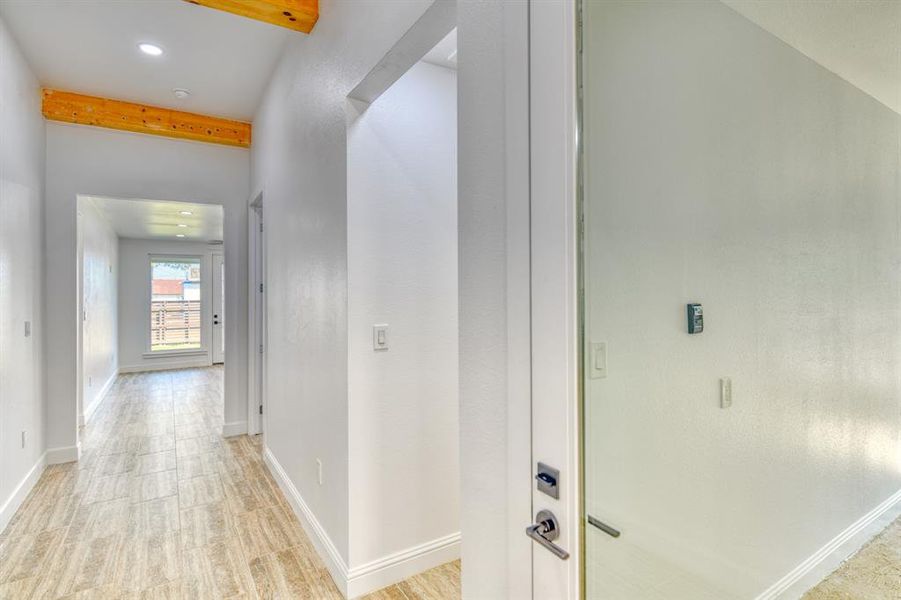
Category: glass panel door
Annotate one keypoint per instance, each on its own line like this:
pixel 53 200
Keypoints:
pixel 740 169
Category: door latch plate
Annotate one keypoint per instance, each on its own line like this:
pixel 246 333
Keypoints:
pixel 548 480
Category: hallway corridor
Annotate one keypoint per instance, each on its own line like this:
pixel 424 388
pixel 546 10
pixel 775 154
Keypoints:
pixel 160 506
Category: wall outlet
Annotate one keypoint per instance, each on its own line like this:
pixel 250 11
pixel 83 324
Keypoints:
pixel 90 381
pixel 27 328
pixel 319 470
pixel 23 439
pixel 725 392
pixel 597 367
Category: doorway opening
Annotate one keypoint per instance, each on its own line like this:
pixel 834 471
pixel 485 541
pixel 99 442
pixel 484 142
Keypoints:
pixel 707 451
pixel 150 293
pixel 402 288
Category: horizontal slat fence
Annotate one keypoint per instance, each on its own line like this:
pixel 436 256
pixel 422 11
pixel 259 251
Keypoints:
pixel 174 323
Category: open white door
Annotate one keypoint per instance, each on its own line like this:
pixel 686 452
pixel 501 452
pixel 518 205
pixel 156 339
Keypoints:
pixel 218 309
pixel 555 323
pixel 256 323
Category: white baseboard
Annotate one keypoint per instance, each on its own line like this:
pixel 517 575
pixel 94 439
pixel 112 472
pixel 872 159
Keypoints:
pixel 825 560
pixel 192 363
pixel 12 504
pixel 401 565
pixel 93 406
pixel 372 576
pixel 57 456
pixel 234 428
pixel 327 550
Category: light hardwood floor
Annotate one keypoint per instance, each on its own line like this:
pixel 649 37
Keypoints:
pixel 160 507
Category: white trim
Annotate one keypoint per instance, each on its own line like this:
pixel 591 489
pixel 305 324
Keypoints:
pixel 166 366
pixel 89 410
pixel 323 544
pixel 825 560
pixel 234 428
pixel 65 454
pixel 554 295
pixel 165 353
pixel 519 333
pixel 19 494
pixel 253 395
pixel 371 576
pixel 217 290
pixel 401 565
pixel 256 316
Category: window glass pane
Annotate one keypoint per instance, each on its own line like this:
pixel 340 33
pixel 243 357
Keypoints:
pixel 174 304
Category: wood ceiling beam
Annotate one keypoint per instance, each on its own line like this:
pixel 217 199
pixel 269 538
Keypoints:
pixel 69 107
pixel 299 15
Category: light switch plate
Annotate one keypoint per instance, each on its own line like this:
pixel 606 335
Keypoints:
pixel 380 337
pixel 597 360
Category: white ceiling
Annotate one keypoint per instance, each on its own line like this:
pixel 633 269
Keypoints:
pixel 444 53
pixel 858 40
pixel 90 46
pixel 159 220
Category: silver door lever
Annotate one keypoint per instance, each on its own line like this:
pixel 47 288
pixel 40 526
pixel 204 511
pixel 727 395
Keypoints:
pixel 545 531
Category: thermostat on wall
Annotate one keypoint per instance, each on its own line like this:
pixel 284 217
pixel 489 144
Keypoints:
pixel 695 318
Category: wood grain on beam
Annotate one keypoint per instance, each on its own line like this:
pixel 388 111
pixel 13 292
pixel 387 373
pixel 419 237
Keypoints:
pixel 299 15
pixel 69 107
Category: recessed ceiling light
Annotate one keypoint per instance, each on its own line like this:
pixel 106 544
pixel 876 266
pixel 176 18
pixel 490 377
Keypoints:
pixel 182 225
pixel 181 93
pixel 186 213
pixel 179 235
pixel 151 49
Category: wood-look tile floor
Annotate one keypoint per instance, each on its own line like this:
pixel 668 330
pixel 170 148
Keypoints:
pixel 161 506
pixel 873 573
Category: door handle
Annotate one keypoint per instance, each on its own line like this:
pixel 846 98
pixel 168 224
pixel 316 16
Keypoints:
pixel 545 531
pixel 604 527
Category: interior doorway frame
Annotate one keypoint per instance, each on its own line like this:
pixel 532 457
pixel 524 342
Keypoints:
pixel 79 332
pixel 555 287
pixel 256 317
pixel 217 274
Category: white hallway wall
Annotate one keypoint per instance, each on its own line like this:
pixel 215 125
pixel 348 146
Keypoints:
pixel 300 164
pixel 402 270
pixel 21 278
pixel 769 192
pixel 299 161
pixel 100 250
pixel 134 302
pixel 102 162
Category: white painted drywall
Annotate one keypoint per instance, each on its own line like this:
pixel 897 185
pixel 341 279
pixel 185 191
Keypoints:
pixel 299 162
pixel 495 414
pixel 725 167
pixel 134 303
pixel 100 269
pixel 103 162
pixel 402 270
pixel 21 279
